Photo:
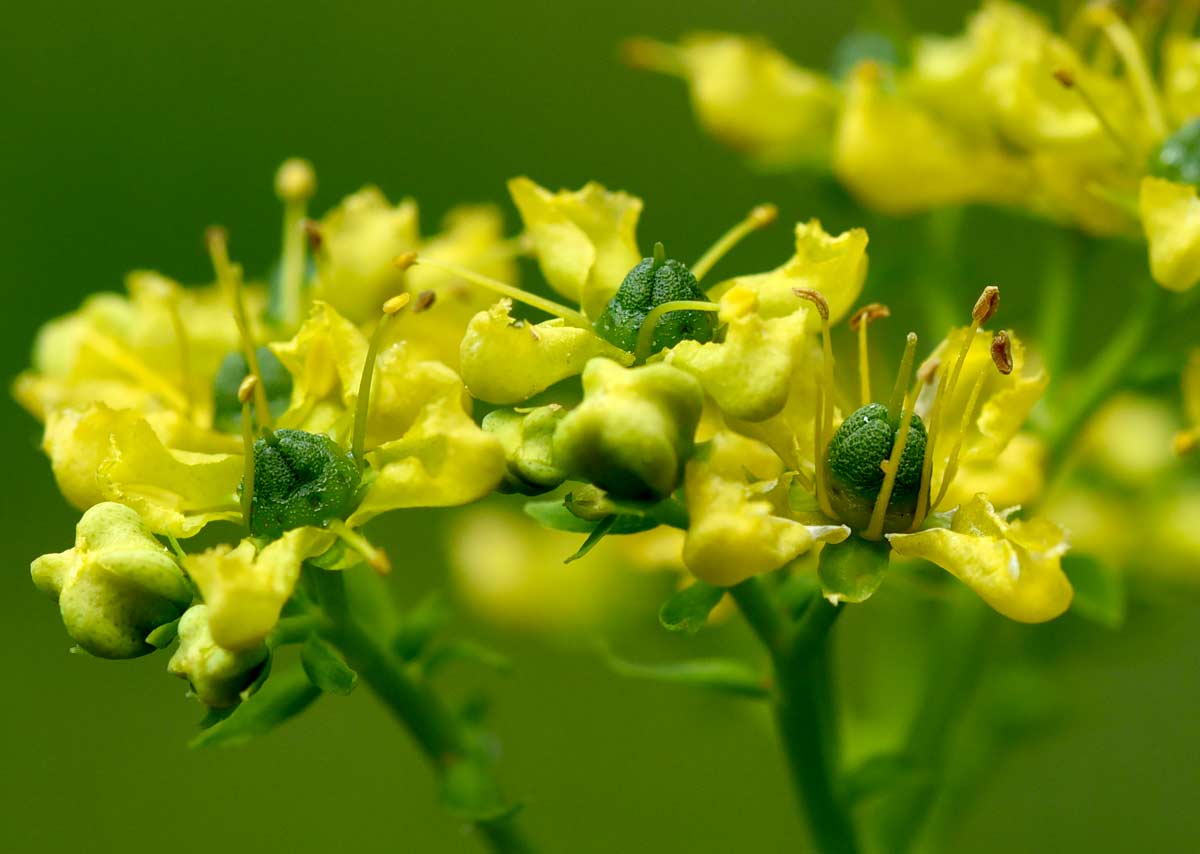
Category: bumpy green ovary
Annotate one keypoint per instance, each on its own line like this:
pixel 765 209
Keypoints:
pixel 652 283
pixel 116 585
pixel 300 479
pixel 634 430
pixel 1178 158
pixel 227 409
pixel 855 472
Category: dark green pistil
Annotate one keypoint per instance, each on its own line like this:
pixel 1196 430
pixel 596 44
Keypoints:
pixel 854 461
pixel 300 479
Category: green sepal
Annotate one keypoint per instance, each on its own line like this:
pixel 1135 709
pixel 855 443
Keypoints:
pixel 1100 594
pixel 688 610
pixel 470 792
pixel 599 531
pixel 852 571
pixel 280 700
pixel 325 667
pixel 553 514
pixel 418 626
pixel 277 382
pixel 164 635
pixel 723 675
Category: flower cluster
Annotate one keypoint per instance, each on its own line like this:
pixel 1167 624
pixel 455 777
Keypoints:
pixel 1076 127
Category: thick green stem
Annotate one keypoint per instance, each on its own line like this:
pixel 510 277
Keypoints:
pixel 804 711
pixel 433 725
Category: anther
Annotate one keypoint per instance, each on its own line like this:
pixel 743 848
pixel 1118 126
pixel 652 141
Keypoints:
pixel 816 298
pixel 425 301
pixel 760 217
pixel 246 390
pixel 869 314
pixel 404 260
pixel 986 305
pixel 650 55
pixel 396 304
pixel 1002 352
pixel 295 180
pixel 312 232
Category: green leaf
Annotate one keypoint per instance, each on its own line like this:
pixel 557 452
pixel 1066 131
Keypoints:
pixel 470 792
pixel 852 571
pixel 598 533
pixel 280 700
pixel 469 651
pixel 688 610
pixel 419 626
pixel 325 667
pixel 725 675
pixel 1099 590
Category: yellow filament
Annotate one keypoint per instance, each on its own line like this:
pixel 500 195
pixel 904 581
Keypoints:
pixel 1070 81
pixel 575 318
pixel 864 366
pixel 952 462
pixel 1126 45
pixel 825 427
pixel 128 363
pixel 230 277
pixel 896 401
pixel 646 330
pixel 245 393
pixel 760 217
pixel 292 272
pixel 362 408
pixel 375 557
pixel 892 470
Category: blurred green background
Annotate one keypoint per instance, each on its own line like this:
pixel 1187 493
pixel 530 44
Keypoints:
pixel 128 127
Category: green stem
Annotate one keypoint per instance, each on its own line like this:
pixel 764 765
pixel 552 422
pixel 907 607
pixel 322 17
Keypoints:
pixel 433 725
pixel 804 710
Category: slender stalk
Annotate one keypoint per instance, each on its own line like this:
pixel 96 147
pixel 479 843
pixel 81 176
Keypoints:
pixel 804 710
pixel 436 729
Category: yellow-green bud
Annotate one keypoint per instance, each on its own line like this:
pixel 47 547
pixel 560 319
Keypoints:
pixel 116 586
pixel 218 676
pixel 634 430
pixel 528 441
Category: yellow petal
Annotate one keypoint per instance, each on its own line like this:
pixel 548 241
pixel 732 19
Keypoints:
pixel 359 239
pixel 585 241
pixel 1191 388
pixel 835 266
pixel 1171 221
pixel 1181 77
pixel 104 454
pixel 1014 567
pixel 443 459
pixel 736 530
pixel 749 374
pixel 506 361
pixel 753 99
pixel 246 589
pixel 1016 477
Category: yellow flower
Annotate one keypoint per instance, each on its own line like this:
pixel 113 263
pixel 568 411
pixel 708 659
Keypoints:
pixel 749 96
pixel 1014 566
pixel 739 522
pixel 585 241
pixel 245 587
pixel 1171 220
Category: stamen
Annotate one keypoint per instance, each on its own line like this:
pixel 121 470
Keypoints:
pixel 650 55
pixel 645 335
pixel 425 301
pixel 573 317
pixel 230 278
pixel 244 394
pixel 968 414
pixel 892 467
pixel 375 557
pixel 985 308
pixel 362 409
pixel 312 233
pixel 168 294
pixel 759 218
pixel 1125 44
pixel 127 362
pixel 824 416
pixel 1069 81
pixel 859 322
pixel 295 183
pixel 896 401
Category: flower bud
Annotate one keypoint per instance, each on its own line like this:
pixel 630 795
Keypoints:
pixel 651 283
pixel 634 430
pixel 300 479
pixel 528 441
pixel 854 462
pixel 218 676
pixel 116 586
